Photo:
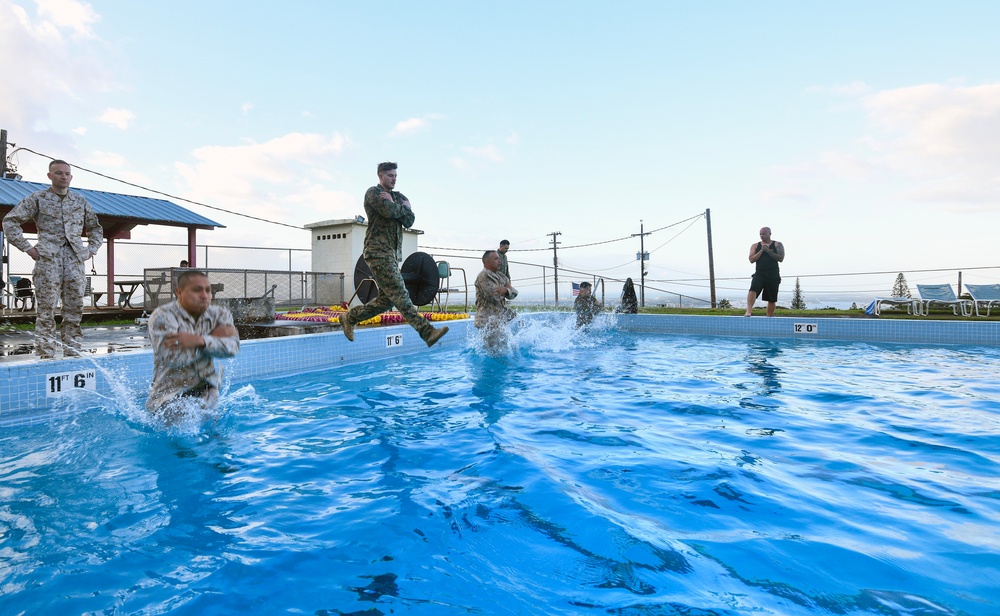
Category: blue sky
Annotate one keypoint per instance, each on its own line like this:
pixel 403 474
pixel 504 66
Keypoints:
pixel 867 135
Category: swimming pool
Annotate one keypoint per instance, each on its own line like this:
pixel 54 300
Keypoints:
pixel 600 472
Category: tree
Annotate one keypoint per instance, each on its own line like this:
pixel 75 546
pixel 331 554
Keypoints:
pixel 798 302
pixel 900 288
pixel 725 304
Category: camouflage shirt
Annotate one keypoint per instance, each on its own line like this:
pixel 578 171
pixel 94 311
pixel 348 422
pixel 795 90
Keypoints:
pixel 504 268
pixel 59 220
pixel 489 305
pixel 586 309
pixel 386 221
pixel 178 370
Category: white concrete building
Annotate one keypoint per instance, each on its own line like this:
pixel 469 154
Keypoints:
pixel 338 244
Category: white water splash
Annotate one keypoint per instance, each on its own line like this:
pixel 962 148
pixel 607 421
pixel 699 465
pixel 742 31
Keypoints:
pixel 549 333
pixel 127 398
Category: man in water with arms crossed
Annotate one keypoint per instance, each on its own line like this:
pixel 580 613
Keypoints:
pixel 187 335
pixel 493 289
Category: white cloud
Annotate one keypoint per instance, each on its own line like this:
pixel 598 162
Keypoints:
pixel 409 127
pixel 487 153
pixel 286 179
pixel 80 130
pixel 936 144
pixel 944 139
pixel 482 156
pixel 118 166
pixel 57 59
pixel 77 17
pixel 246 108
pixel 107 159
pixel 119 118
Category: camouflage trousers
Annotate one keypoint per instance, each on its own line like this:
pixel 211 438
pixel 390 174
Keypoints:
pixel 59 277
pixel 391 292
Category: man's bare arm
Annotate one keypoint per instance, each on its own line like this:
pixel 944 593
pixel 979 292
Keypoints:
pixel 778 251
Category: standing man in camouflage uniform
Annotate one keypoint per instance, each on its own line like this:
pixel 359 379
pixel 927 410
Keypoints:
pixel 388 213
pixel 502 251
pixel 61 217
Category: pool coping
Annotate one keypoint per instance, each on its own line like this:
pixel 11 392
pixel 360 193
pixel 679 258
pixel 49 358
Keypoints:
pixel 902 331
pixel 27 396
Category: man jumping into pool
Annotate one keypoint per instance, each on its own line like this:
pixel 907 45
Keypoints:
pixel 766 254
pixel 187 335
pixel 388 213
pixel 493 289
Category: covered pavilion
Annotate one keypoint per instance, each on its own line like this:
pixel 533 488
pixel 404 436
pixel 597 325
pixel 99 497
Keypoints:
pixel 118 215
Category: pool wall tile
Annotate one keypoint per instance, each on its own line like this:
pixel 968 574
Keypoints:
pixel 904 331
pixel 24 400
pixel 23 386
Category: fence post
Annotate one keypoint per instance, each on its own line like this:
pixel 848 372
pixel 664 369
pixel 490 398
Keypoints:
pixel 545 301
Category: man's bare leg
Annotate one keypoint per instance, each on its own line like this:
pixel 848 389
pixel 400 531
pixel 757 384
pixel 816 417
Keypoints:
pixel 751 298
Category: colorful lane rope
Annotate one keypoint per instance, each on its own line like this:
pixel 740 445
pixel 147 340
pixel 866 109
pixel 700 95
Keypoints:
pixel 330 314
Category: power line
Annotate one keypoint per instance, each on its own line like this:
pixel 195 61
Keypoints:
pixel 679 233
pixel 619 239
pixel 914 271
pixel 211 207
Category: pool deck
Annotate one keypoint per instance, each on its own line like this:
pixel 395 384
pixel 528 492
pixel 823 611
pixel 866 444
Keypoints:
pixel 31 390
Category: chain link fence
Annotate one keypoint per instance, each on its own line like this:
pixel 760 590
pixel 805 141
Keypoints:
pixel 288 268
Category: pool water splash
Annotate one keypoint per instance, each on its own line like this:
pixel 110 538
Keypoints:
pixel 549 333
pixel 127 397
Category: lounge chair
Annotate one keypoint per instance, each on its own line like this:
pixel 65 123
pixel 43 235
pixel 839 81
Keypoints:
pixel 944 295
pixel 985 294
pixel 876 306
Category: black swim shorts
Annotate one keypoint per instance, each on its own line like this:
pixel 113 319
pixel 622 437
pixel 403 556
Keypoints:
pixel 768 285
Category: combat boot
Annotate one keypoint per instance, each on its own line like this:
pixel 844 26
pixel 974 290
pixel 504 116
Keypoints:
pixel 348 327
pixel 435 335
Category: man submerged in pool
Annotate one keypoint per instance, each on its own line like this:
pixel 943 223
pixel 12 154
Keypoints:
pixel 187 335
pixel 586 305
pixel 493 289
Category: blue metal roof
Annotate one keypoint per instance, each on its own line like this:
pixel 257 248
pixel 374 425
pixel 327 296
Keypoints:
pixel 142 210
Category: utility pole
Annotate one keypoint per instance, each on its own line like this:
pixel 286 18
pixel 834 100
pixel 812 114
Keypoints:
pixel 642 256
pixel 3 153
pixel 555 263
pixel 711 260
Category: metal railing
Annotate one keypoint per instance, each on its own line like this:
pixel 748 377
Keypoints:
pixel 289 289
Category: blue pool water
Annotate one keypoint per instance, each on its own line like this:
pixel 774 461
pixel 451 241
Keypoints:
pixel 582 473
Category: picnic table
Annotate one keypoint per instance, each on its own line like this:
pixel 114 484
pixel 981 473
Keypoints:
pixel 126 289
